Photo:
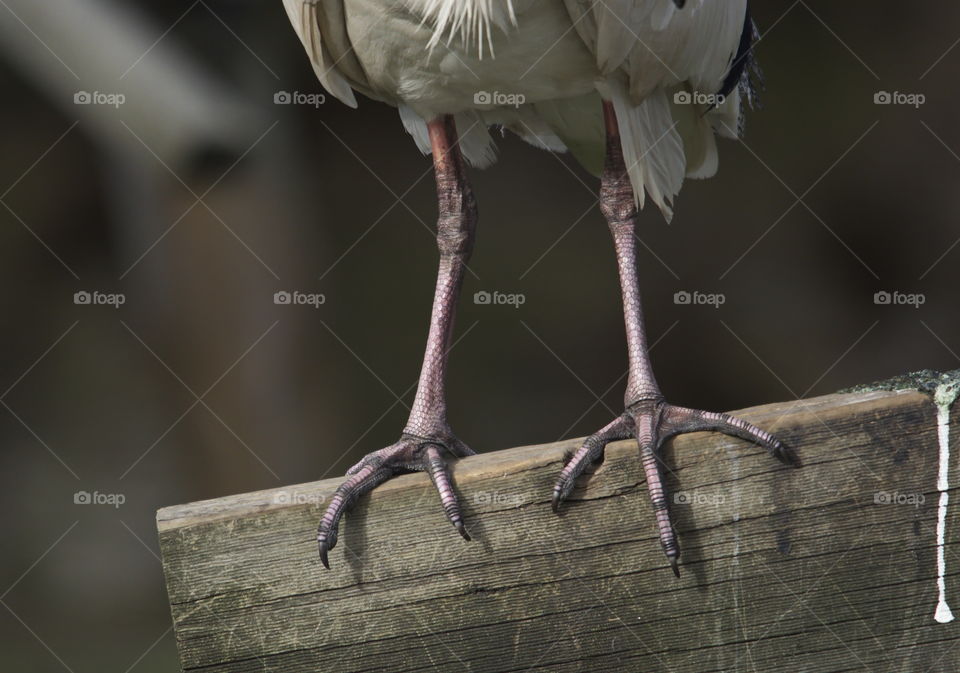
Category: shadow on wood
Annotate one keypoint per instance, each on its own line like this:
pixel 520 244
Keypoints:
pixel 832 567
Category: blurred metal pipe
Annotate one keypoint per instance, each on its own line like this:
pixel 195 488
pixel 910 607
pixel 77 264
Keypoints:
pixel 171 101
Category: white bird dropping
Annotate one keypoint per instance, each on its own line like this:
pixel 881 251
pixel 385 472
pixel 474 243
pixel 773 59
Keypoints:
pixel 944 397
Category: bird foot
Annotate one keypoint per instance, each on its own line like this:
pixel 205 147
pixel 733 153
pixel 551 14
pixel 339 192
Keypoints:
pixel 412 453
pixel 651 422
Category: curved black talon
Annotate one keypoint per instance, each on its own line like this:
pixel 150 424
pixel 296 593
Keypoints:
pixel 787 456
pixel 411 454
pixel 589 452
pixel 323 555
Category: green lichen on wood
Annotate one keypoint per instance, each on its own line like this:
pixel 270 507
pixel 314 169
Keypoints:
pixel 925 380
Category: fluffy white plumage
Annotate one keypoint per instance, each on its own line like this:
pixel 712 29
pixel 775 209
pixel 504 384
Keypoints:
pixel 472 21
pixel 432 57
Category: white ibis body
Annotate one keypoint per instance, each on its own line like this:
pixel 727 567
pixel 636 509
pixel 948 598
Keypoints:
pixel 636 90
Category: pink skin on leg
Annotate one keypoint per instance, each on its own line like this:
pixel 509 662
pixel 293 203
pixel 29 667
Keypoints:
pixel 427 432
pixel 648 417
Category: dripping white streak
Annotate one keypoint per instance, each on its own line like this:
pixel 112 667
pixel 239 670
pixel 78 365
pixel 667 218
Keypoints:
pixel 944 397
pixel 943 613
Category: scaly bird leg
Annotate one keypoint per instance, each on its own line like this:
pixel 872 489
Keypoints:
pixel 648 417
pixel 427 435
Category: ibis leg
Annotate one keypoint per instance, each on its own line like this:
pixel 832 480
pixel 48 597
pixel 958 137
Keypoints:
pixel 648 417
pixel 427 439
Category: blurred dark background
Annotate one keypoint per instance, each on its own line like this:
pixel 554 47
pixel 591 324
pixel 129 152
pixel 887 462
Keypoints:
pixel 199 198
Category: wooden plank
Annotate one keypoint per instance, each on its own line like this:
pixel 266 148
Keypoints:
pixel 782 569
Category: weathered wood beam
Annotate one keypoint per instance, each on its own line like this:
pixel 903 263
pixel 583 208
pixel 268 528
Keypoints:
pixel 782 569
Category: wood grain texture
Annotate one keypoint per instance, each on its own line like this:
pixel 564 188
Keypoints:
pixel 782 569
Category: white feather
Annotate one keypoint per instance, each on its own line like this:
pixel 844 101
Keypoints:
pixel 699 142
pixel 416 127
pixel 470 20
pixel 652 146
pixel 725 118
pixel 635 53
pixel 659 46
pixel 646 50
pixel 475 142
pixel 526 122
pixel 662 13
pixel 303 16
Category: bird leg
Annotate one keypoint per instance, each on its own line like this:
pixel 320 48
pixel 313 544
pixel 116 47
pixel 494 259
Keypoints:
pixel 648 417
pixel 427 436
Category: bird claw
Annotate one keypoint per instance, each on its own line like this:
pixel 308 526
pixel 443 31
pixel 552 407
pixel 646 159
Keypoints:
pixel 652 422
pixel 411 454
pixel 323 555
pixel 589 452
